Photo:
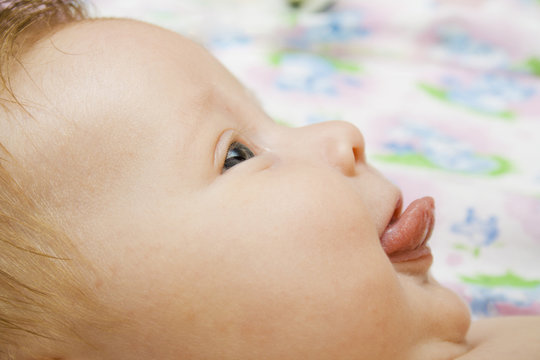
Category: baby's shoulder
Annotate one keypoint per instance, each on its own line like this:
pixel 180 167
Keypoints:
pixel 504 338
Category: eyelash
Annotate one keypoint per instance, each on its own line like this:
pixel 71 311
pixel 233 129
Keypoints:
pixel 241 153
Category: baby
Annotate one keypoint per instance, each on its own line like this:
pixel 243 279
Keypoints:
pixel 149 209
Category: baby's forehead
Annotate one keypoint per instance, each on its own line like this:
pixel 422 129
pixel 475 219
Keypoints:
pixel 118 56
pixel 123 38
pixel 98 70
pixel 103 93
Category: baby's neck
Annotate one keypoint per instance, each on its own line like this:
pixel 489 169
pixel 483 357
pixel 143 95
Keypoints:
pixel 504 338
pixel 440 350
pixel 495 339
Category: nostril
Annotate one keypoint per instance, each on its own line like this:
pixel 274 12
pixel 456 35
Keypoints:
pixel 358 155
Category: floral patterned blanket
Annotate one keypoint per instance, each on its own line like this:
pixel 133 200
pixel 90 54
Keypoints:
pixel 446 92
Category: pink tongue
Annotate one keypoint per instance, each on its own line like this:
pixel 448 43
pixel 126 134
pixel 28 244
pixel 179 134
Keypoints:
pixel 411 229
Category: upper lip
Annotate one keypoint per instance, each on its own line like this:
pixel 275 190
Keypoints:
pixel 394 215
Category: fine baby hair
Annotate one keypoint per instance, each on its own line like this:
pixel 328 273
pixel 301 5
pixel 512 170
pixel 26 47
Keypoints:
pixel 41 274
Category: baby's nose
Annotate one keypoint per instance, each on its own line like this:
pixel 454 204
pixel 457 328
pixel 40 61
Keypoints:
pixel 340 143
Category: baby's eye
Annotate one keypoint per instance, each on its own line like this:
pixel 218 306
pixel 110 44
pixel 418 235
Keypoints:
pixel 236 154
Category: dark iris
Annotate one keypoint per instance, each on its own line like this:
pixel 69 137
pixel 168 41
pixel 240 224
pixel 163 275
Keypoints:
pixel 236 154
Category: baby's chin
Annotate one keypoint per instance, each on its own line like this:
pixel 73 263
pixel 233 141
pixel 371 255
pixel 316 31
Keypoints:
pixel 449 315
pixel 457 315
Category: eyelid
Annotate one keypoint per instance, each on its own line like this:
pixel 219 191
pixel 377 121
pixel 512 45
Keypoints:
pixel 222 146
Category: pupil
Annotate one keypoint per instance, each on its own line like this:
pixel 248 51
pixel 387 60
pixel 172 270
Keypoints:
pixel 236 154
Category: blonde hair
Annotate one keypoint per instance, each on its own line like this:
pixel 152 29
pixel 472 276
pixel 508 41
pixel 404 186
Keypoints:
pixel 44 291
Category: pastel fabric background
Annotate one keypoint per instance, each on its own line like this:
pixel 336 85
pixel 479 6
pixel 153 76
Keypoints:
pixel 447 94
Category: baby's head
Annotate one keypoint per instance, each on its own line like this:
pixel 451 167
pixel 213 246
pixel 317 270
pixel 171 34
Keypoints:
pixel 149 209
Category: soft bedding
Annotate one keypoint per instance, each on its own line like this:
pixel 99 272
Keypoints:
pixel 446 93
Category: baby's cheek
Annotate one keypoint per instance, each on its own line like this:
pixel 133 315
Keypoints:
pixel 391 319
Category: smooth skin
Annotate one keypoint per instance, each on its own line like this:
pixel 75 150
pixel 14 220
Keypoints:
pixel 272 256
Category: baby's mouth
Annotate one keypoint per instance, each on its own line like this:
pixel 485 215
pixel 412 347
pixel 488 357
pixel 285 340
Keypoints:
pixel 405 238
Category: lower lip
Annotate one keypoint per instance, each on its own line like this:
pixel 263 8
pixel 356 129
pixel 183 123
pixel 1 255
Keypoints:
pixel 411 255
pixel 416 262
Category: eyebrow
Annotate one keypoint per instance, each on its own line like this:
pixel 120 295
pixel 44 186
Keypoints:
pixel 256 99
pixel 212 96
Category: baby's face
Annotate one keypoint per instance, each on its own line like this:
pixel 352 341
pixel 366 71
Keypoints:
pixel 219 233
